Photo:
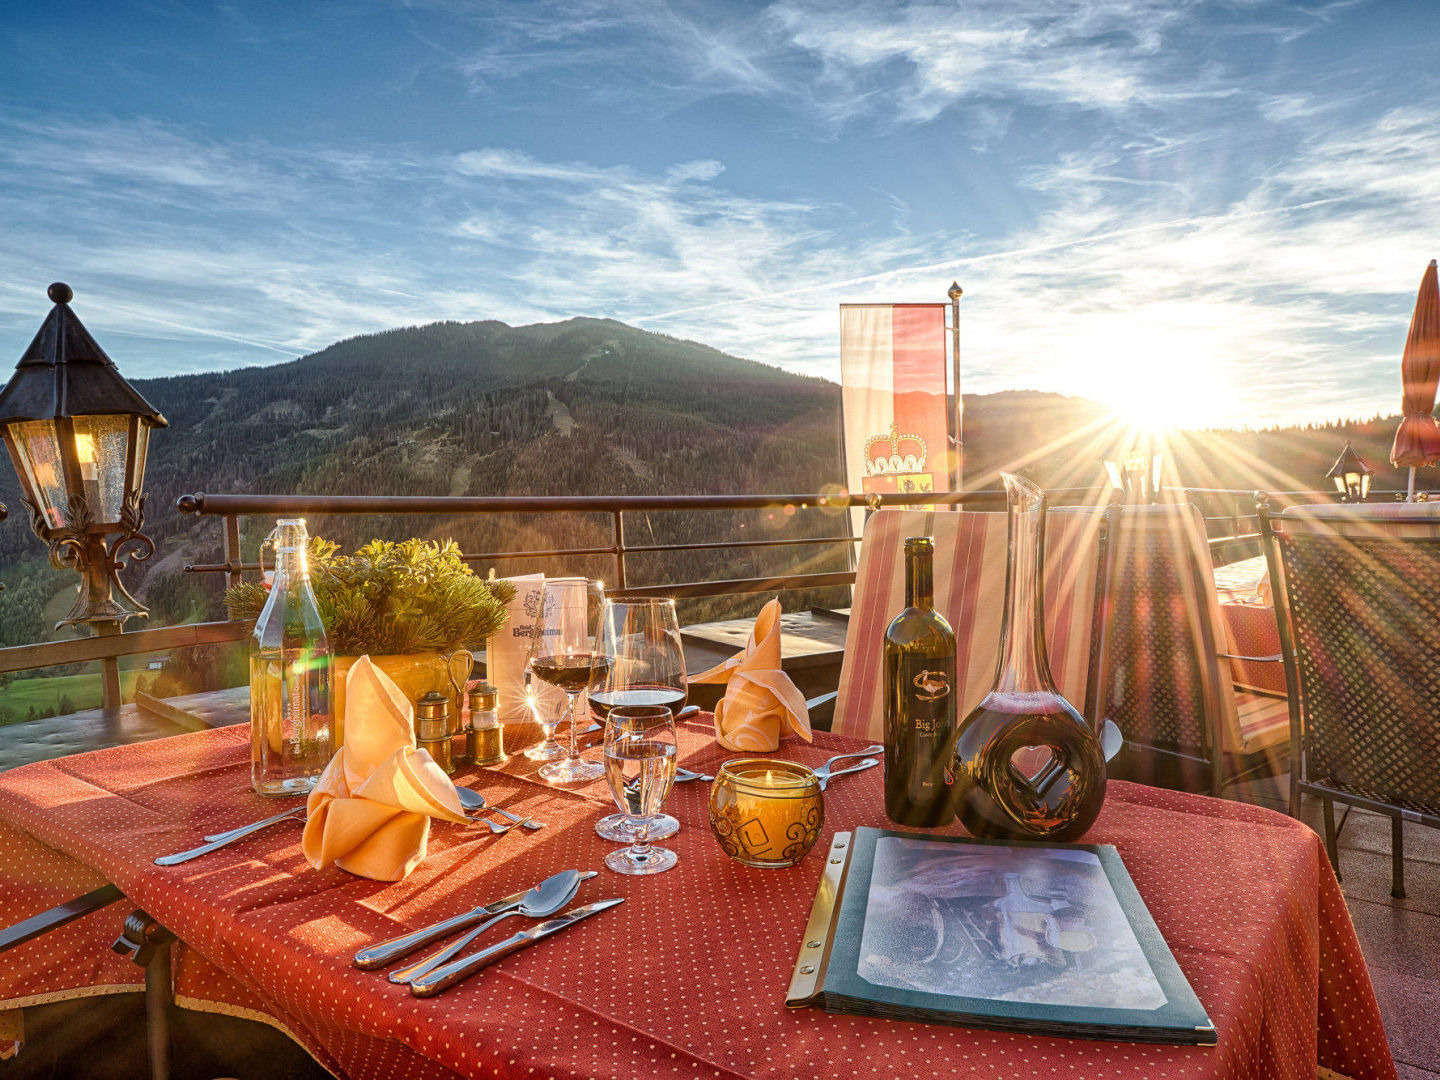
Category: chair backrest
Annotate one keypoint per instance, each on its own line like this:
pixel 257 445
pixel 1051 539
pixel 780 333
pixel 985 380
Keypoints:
pixel 970 593
pixel 1160 677
pixel 1359 622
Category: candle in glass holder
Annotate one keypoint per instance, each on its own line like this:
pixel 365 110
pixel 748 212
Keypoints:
pixel 766 812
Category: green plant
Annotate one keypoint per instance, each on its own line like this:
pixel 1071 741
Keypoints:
pixel 414 596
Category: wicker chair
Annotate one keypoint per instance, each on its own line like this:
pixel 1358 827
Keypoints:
pixel 1358 599
pixel 1161 680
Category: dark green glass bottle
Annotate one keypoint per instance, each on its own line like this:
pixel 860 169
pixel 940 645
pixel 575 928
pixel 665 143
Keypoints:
pixel 919 698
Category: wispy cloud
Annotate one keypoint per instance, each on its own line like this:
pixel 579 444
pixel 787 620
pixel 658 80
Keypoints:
pixel 1134 221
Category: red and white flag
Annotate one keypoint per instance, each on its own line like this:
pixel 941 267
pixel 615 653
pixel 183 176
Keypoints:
pixel 892 378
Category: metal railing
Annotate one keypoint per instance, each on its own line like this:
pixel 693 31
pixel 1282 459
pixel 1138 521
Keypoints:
pixel 231 508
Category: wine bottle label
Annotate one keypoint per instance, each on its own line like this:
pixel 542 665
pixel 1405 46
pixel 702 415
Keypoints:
pixel 919 722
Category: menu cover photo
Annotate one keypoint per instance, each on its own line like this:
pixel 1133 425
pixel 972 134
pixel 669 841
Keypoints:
pixel 1034 937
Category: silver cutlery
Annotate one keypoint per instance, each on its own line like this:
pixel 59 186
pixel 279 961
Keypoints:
pixel 230 833
pixel 392 949
pixel 682 775
pixel 215 845
pixel 828 771
pixel 443 978
pixel 471 801
pixel 868 763
pixel 541 902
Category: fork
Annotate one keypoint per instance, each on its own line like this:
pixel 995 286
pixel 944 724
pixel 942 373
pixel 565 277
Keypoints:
pixel 472 801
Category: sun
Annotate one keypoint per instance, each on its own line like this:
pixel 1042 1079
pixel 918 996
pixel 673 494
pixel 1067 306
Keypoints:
pixel 1154 383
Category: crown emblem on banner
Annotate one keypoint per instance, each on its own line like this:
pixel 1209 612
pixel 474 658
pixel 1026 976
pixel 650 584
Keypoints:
pixel 880 463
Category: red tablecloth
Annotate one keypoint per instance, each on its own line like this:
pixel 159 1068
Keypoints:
pixel 687 979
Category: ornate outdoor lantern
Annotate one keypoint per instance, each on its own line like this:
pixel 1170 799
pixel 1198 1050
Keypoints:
pixel 1351 475
pixel 77 434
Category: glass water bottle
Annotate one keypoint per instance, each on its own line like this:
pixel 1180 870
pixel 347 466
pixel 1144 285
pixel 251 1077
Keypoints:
pixel 291 733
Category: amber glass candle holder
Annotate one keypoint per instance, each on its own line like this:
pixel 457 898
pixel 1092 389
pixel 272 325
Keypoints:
pixel 766 812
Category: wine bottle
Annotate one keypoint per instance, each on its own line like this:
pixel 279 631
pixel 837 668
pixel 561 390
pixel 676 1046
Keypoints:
pixel 919 698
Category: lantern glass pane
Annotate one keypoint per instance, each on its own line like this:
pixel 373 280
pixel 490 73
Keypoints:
pixel 101 443
pixel 37 445
pixel 142 447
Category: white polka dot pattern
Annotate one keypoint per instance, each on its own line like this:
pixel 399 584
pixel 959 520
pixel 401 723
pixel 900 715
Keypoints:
pixel 1244 897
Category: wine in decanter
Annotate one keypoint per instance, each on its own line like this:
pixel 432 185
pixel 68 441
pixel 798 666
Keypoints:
pixel 919 698
pixel 1026 764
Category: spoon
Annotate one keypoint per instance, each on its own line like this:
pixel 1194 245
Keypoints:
pixel 541 902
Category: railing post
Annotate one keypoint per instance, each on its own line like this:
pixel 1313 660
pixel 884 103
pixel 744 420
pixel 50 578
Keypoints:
pixel 109 672
pixel 232 548
pixel 619 520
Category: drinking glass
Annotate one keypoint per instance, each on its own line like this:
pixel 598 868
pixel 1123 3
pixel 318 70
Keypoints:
pixel 640 766
pixel 641 638
pixel 562 655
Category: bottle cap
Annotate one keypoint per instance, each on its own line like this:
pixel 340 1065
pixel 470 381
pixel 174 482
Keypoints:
pixel 916 544
pixel 484 696
pixel 432 705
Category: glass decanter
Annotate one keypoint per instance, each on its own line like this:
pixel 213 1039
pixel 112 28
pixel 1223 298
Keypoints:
pixel 291 729
pixel 1026 764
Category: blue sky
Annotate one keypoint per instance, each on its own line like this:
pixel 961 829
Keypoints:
pixel 1218 210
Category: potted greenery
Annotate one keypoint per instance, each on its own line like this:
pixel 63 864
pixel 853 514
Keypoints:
pixel 411 607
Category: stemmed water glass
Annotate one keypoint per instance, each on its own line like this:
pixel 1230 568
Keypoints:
pixel 640 757
pixel 562 655
pixel 641 639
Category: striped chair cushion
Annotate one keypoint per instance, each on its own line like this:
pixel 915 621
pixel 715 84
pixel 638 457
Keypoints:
pixel 969 592
pixel 1264 721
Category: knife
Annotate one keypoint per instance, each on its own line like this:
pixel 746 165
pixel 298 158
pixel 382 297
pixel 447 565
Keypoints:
pixel 443 978
pixel 382 954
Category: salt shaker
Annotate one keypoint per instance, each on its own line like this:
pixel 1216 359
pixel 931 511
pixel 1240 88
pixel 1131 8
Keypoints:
pixel 485 737
pixel 432 729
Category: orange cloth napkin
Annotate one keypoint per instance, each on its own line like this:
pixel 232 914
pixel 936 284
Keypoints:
pixel 760 700
pixel 370 810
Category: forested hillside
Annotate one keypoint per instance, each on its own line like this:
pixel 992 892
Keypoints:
pixel 584 406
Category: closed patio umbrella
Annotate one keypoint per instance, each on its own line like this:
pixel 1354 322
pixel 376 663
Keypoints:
pixel 1417 441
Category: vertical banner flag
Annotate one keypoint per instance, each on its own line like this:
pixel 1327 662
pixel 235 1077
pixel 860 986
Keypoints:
pixel 892 378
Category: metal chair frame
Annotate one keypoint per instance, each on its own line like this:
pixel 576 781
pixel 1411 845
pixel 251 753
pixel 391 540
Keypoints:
pixel 1211 755
pixel 1281 583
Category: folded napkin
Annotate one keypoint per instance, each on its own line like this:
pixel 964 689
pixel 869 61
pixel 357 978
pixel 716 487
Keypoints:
pixel 760 700
pixel 371 808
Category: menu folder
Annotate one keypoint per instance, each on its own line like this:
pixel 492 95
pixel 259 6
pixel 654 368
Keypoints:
pixel 1045 939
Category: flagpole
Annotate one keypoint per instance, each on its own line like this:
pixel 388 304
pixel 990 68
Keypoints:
pixel 957 449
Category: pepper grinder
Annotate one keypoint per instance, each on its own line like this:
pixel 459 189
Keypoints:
pixel 432 729
pixel 485 737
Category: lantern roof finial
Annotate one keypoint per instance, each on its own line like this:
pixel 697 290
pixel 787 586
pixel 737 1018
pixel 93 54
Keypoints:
pixel 65 372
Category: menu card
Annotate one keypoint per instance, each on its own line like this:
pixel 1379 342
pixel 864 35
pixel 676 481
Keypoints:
pixel 1047 939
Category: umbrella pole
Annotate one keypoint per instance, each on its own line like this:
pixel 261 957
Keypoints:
pixel 1410 492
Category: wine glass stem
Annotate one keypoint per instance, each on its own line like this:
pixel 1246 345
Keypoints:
pixel 640 850
pixel 570 714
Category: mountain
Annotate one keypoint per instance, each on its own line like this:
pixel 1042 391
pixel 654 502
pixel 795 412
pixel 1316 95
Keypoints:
pixel 584 406
pixel 581 406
